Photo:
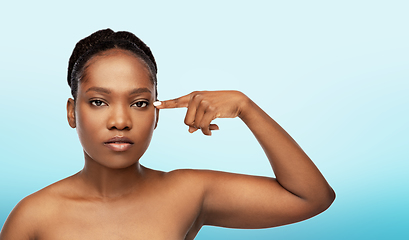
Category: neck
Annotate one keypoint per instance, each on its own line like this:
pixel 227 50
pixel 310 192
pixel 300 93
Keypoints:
pixel 108 183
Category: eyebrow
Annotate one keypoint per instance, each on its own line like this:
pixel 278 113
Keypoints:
pixel 107 91
pixel 99 89
pixel 139 90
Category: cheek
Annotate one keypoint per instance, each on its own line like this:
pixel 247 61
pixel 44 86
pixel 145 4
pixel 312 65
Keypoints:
pixel 144 122
pixel 88 125
pixel 142 129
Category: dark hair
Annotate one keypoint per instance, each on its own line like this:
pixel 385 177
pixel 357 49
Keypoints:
pixel 104 40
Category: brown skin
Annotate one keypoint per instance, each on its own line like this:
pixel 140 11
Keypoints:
pixel 114 197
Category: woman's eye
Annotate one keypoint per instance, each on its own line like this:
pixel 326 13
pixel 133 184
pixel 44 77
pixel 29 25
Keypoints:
pixel 140 104
pixel 97 103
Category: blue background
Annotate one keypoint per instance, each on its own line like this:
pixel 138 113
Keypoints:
pixel 334 74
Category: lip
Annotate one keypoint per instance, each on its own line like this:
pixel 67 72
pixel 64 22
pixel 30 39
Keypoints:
pixel 119 143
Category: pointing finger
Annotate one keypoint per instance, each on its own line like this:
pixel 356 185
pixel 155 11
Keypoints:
pixel 173 103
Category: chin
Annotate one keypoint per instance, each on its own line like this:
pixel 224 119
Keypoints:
pixel 113 161
pixel 119 164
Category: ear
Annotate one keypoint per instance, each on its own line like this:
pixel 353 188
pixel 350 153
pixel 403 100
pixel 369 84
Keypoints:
pixel 71 112
pixel 157 118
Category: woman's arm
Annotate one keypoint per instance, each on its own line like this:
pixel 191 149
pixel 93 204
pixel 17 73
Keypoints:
pixel 233 200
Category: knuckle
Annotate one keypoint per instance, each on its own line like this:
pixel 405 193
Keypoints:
pixel 187 122
pixel 194 92
pixel 211 108
pixel 205 102
pixel 196 95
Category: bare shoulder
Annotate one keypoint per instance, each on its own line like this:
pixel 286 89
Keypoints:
pixel 27 217
pixel 203 179
pixel 184 174
pixel 194 174
pixel 196 178
pixel 179 180
pixel 21 222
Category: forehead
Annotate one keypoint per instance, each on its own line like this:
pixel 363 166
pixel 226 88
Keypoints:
pixel 116 69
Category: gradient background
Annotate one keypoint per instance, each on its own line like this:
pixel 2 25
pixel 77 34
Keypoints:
pixel 334 74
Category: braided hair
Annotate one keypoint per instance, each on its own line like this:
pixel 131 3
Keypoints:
pixel 101 41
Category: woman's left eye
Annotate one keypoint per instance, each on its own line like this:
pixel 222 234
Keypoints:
pixel 141 104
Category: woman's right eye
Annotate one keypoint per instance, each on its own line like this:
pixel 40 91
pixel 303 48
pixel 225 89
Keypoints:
pixel 97 103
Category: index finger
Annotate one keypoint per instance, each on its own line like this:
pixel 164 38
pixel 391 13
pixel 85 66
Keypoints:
pixel 173 103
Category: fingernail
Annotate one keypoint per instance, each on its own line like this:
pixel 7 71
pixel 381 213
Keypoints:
pixel 157 103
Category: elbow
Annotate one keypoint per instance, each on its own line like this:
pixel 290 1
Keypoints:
pixel 320 202
pixel 326 200
pixel 331 196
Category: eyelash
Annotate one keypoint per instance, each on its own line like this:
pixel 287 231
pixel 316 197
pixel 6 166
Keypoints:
pixel 94 103
pixel 99 103
pixel 144 104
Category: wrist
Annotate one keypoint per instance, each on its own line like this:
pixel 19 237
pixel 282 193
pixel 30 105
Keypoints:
pixel 246 108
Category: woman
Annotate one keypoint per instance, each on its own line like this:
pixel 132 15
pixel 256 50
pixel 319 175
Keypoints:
pixel 115 111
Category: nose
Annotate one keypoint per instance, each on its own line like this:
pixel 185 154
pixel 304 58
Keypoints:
pixel 119 119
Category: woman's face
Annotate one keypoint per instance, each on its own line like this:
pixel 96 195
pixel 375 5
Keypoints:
pixel 113 113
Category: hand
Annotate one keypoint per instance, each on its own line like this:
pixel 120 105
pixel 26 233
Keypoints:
pixel 205 106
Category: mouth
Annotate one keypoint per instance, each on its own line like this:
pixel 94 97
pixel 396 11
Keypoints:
pixel 119 143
